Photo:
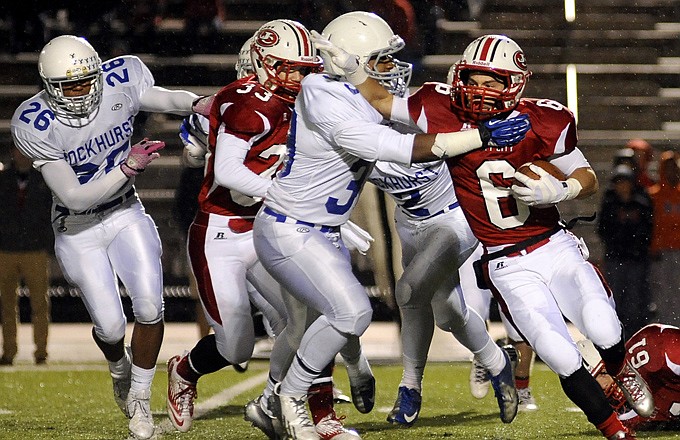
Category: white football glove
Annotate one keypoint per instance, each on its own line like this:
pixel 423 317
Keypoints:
pixel 195 139
pixel 545 191
pixel 355 238
pixel 346 62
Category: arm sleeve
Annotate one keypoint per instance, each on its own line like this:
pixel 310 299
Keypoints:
pixel 160 100
pixel 230 172
pixel 400 112
pixel 65 185
pixel 372 141
pixel 568 163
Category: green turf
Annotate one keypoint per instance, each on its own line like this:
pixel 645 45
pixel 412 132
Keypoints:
pixel 78 404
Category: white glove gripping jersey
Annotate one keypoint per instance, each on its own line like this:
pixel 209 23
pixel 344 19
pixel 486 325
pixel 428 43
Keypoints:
pixel 91 146
pixel 334 139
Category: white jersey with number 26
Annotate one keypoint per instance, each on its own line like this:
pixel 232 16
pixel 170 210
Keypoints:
pixel 91 148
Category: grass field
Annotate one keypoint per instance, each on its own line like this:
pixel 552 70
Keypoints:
pixel 75 402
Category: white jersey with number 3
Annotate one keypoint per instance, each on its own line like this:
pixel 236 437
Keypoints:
pixel 331 152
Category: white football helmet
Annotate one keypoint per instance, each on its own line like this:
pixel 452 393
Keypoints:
pixel 370 37
pixel 244 65
pixel 498 56
pixel 279 49
pixel 449 74
pixel 68 59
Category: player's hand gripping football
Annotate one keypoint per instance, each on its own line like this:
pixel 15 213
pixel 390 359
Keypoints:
pixel 195 141
pixel 344 61
pixel 504 132
pixel 544 191
pixel 141 155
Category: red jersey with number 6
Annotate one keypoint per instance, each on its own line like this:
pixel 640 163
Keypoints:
pixel 655 352
pixel 246 110
pixel 482 178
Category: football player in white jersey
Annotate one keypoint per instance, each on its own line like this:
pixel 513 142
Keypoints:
pixel 78 132
pixel 335 138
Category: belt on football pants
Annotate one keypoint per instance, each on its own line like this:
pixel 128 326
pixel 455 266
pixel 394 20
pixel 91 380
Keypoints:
pixel 523 247
pixel 99 208
pixel 285 219
pixel 451 207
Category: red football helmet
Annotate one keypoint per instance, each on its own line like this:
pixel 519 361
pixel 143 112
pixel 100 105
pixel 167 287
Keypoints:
pixel 279 48
pixel 497 56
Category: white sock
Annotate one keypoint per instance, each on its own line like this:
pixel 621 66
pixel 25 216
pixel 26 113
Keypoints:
pixel 491 356
pixel 413 374
pixel 141 378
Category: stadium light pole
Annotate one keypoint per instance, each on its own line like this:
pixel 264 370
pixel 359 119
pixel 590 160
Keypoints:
pixel 570 10
pixel 572 90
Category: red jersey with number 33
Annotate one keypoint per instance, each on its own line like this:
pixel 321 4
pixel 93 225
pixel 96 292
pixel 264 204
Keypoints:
pixel 246 110
pixel 482 178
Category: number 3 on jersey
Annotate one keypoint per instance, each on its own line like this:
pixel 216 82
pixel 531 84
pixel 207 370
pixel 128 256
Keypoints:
pixel 360 169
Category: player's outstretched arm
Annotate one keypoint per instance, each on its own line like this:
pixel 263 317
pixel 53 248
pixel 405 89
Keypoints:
pixel 178 102
pixel 494 132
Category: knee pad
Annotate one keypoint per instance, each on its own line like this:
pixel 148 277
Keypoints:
pixel 147 312
pixel 602 326
pixel 235 353
pixel 403 292
pixel 110 332
pixel 353 324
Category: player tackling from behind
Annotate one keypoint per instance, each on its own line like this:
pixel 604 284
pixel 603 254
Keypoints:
pixel 78 132
pixel 531 263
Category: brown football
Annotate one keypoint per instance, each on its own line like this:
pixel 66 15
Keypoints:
pixel 547 166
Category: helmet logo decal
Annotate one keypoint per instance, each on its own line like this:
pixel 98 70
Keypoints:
pixel 519 60
pixel 267 38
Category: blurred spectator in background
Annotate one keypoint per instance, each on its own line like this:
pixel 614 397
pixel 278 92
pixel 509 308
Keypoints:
pixel 625 227
pixel 26 241
pixel 665 247
pixel 186 205
pixel 644 155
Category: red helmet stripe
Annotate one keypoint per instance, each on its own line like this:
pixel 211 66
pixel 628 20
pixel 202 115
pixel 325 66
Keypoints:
pixel 485 49
pixel 488 49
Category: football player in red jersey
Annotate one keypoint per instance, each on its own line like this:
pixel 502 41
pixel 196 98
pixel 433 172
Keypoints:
pixel 531 263
pixel 655 352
